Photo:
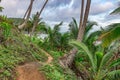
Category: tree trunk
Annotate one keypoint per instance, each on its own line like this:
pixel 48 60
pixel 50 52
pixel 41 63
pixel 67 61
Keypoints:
pixel 28 12
pixel 81 19
pixel 82 28
pixel 67 60
pixel 37 16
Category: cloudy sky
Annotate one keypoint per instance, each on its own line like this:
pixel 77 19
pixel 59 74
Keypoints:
pixel 63 10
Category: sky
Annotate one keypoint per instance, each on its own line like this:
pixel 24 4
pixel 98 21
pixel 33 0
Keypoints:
pixel 63 10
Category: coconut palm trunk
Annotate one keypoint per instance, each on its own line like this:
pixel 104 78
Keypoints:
pixel 67 60
pixel 83 24
pixel 27 15
pixel 81 18
pixel 37 17
pixel 26 12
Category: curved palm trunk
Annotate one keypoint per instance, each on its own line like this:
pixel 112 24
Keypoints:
pixel 37 17
pixel 67 60
pixel 27 13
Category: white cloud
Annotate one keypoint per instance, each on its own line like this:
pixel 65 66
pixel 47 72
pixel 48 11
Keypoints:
pixel 8 3
pixel 20 12
pixel 98 8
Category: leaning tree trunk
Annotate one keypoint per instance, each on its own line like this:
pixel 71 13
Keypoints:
pixel 27 13
pixel 37 17
pixel 68 59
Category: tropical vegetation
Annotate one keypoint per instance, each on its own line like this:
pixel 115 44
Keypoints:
pixel 77 54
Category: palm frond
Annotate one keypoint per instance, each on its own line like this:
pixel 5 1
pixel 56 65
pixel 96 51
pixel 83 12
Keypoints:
pixel 57 27
pixel 75 23
pixel 89 26
pixel 114 75
pixel 99 56
pixel 110 36
pixel 80 46
pixel 73 27
pixel 111 26
pixel 45 29
pixel 115 63
pixel 105 59
pixel 93 36
pixel 116 11
pixel 65 37
pixel 1 8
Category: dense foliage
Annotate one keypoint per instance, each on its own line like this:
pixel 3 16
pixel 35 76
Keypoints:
pixel 98 56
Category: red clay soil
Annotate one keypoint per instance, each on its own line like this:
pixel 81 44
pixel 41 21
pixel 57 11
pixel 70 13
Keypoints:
pixel 29 71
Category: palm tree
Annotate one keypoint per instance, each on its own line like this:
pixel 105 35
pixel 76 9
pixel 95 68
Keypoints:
pixel 84 21
pixel 63 41
pixel 99 66
pixel 73 28
pixel 67 60
pixel 31 22
pixel 55 39
pixel 27 14
pixel 53 34
pixel 88 37
pixel 37 16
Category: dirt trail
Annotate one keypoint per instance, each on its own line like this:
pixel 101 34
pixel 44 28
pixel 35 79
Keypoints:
pixel 29 71
pixel 50 58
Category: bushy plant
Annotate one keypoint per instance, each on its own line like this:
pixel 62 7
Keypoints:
pixel 6 29
pixel 8 61
pixel 55 72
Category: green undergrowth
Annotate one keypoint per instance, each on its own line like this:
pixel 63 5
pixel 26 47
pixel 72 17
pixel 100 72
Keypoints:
pixel 56 72
pixel 15 49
